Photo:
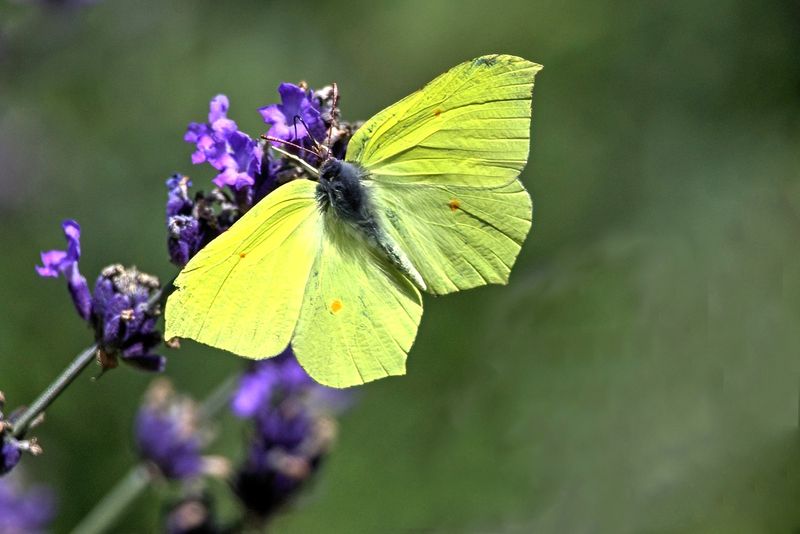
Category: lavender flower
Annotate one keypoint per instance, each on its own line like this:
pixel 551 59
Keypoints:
pixel 178 201
pixel 240 163
pixel 25 511
pixel 167 434
pixel 221 144
pixel 185 234
pixel 118 311
pixel 292 434
pixel 123 320
pixel 193 222
pixel 210 137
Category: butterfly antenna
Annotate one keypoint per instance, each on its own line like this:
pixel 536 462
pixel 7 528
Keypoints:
pixel 317 146
pixel 333 115
pixel 300 161
pixel 288 143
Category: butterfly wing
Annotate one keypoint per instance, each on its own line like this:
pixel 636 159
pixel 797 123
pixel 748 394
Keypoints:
pixel 360 314
pixel 443 165
pixel 243 292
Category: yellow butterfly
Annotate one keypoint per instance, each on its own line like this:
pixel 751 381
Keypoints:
pixel 426 199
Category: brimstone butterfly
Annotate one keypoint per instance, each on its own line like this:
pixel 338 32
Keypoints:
pixel 426 199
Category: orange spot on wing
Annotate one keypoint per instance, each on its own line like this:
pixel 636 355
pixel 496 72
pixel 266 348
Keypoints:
pixel 336 305
pixel 454 204
pixel 242 254
pixel 437 112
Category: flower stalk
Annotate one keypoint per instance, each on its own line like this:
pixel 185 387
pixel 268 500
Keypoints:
pixel 43 401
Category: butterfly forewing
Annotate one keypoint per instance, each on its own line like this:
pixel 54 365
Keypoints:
pixel 244 290
pixel 469 126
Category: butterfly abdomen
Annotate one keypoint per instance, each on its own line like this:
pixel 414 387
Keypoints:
pixel 341 193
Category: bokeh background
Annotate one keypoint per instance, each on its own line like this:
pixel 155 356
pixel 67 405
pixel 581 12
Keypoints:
pixel 640 373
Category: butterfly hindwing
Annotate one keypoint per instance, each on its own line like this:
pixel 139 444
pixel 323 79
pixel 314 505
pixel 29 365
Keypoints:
pixel 443 166
pixel 457 236
pixel 360 315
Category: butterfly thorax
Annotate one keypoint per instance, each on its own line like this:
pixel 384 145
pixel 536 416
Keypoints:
pixel 340 189
pixel 341 193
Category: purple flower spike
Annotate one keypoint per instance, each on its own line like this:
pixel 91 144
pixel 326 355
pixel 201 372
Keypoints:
pixel 123 322
pixel 25 511
pixel 65 262
pixel 295 102
pixel 292 433
pixel 223 146
pixel 166 432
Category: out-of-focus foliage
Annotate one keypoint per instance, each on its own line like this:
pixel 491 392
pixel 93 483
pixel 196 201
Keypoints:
pixel 639 373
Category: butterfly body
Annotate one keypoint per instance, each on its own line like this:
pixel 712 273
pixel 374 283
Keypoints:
pixel 344 199
pixel 426 199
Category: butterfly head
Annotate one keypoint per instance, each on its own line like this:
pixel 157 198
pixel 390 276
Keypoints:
pixel 340 188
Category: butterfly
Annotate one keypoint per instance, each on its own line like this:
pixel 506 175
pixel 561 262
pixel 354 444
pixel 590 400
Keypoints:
pixel 427 199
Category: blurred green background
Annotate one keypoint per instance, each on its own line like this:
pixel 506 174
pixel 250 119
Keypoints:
pixel 640 373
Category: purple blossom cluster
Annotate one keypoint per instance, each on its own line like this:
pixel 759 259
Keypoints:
pixel 118 310
pixel 292 431
pixel 167 433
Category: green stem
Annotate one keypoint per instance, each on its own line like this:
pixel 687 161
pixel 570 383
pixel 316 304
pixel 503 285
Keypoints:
pixel 114 502
pixel 106 512
pixel 52 392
